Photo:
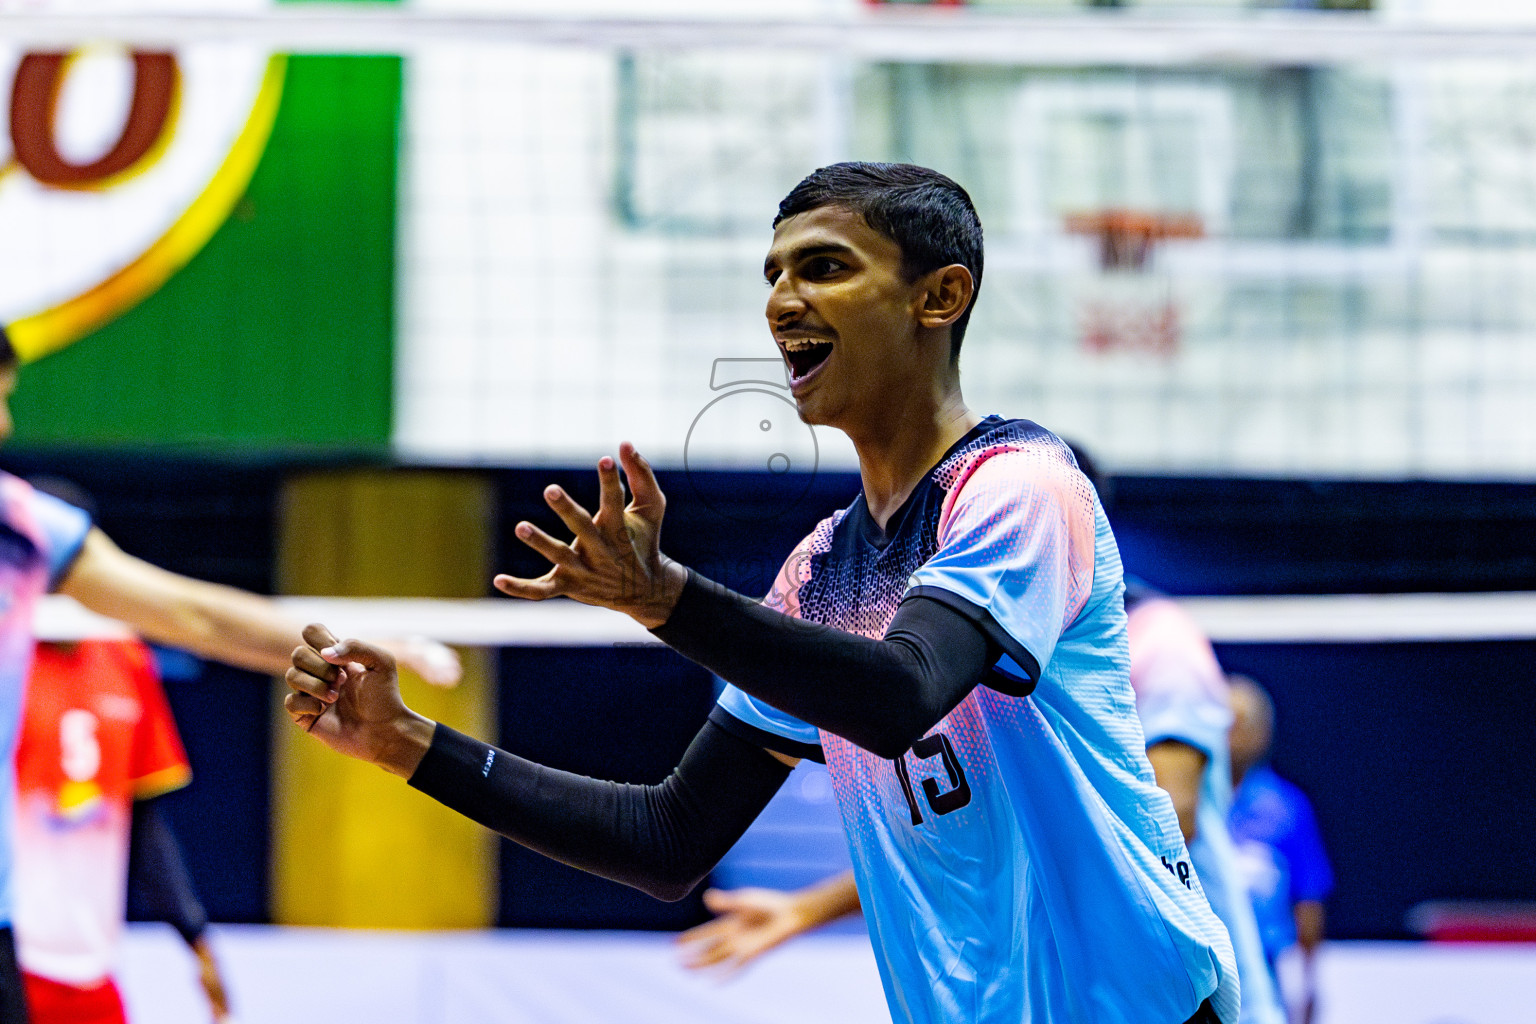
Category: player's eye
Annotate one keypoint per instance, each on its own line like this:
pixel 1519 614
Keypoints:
pixel 770 277
pixel 823 266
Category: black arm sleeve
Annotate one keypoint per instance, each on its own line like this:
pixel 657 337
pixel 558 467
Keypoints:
pixel 660 839
pixel 159 886
pixel 881 694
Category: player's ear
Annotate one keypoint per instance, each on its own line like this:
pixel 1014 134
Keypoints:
pixel 946 294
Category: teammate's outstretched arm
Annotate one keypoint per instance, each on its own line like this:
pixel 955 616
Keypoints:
pixel 660 839
pixel 881 694
pixel 752 921
pixel 218 622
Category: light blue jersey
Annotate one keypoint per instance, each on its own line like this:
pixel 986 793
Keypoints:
pixel 1019 863
pixel 1181 695
pixel 39 539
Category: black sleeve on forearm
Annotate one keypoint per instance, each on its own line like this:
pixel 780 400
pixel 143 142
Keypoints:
pixel 660 839
pixel 159 886
pixel 881 694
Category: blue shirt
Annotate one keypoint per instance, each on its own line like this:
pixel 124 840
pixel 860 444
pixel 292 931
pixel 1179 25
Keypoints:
pixel 1019 863
pixel 39 539
pixel 1281 850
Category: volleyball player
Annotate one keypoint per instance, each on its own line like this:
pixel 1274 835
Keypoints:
pixel 97 740
pixel 1182 701
pixel 160 885
pixel 953 643
pixel 49 545
pixel 1279 844
pixel 1185 709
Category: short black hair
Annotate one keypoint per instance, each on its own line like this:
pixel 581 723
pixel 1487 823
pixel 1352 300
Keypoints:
pixel 8 357
pixel 928 215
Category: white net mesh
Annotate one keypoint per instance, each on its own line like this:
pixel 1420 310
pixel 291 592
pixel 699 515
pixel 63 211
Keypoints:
pixel 1357 305
pixel 586 198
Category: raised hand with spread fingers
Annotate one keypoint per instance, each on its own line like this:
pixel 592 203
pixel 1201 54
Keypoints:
pixel 614 559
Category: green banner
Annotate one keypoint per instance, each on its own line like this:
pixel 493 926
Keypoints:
pixel 279 333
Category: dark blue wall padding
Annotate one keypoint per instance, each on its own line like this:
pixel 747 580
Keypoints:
pixel 1417 756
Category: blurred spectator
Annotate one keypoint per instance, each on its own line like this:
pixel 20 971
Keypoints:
pixel 1279 845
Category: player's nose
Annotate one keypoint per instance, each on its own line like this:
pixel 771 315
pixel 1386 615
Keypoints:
pixel 785 305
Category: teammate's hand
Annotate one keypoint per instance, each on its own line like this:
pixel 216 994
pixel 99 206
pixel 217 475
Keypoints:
pixel 347 696
pixel 750 923
pixel 437 664
pixel 615 560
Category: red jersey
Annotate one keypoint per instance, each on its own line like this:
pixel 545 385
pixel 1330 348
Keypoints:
pixel 96 735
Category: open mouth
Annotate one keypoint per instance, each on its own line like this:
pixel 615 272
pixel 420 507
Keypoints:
pixel 805 355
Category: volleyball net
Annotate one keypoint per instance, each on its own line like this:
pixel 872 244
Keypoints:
pixel 1220 240
pixel 492 622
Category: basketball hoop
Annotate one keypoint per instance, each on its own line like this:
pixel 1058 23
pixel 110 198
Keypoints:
pixel 1129 308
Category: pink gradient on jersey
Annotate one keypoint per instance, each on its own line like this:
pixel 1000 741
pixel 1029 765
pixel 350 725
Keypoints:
pixel 795 573
pixel 982 478
pixel 1168 648
pixel 990 476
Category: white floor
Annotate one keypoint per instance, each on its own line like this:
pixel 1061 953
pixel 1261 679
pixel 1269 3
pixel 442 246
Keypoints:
pixel 299 976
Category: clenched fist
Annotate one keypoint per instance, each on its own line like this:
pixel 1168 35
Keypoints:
pixel 346 694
